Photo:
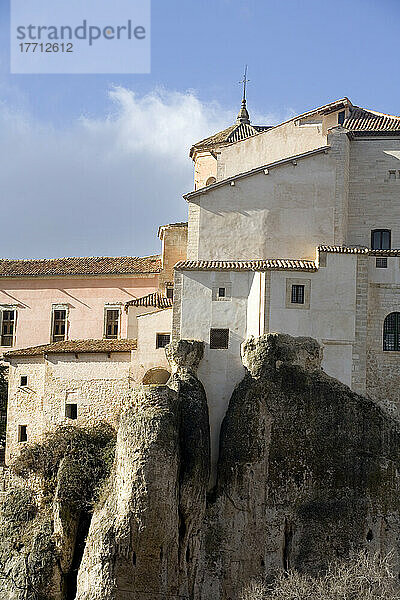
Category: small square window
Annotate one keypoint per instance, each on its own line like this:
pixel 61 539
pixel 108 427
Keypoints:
pixel 71 411
pixel 219 339
pixel 23 380
pixel 381 263
pixel 297 296
pixel 221 292
pixel 170 293
pixel 162 340
pixel 22 433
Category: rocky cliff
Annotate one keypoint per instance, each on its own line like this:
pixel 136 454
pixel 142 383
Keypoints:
pixel 308 471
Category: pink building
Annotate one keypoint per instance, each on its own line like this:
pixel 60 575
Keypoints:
pixel 50 300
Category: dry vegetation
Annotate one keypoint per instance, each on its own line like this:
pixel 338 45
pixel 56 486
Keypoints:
pixel 361 577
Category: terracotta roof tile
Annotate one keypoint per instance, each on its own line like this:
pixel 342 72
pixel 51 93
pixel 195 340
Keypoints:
pixel 97 265
pixel 359 250
pixel 76 347
pixel 234 133
pixel 361 120
pixel 155 299
pixel 343 249
pixel 246 265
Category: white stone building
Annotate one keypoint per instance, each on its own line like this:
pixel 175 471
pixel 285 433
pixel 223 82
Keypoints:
pixel 296 232
pixel 293 228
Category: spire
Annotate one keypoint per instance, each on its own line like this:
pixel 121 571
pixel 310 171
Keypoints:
pixel 243 116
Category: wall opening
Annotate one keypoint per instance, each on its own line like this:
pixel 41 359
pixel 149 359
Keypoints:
pixel 22 433
pixel 156 376
pixel 71 411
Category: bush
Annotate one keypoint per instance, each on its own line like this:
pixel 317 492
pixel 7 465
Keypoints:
pixel 361 577
pixel 72 459
pixel 18 506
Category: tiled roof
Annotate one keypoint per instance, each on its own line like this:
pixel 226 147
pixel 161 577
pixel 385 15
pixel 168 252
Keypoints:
pixel 343 249
pixel 359 250
pixel 97 265
pixel 246 265
pixel 234 133
pixel 76 347
pixel 155 299
pixel 360 120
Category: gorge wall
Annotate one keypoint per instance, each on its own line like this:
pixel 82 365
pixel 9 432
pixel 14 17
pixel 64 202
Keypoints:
pixel 308 471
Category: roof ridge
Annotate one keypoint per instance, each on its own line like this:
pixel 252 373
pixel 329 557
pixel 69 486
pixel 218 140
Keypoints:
pixel 376 112
pixel 77 258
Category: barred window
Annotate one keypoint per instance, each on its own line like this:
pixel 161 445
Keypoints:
pixel 7 327
pixel 59 325
pixel 297 296
pixel 219 339
pixel 111 324
pixel 162 340
pixel 391 332
pixel 381 263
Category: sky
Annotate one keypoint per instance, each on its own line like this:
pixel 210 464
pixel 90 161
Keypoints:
pixel 91 165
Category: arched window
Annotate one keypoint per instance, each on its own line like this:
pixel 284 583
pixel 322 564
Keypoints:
pixel 211 180
pixel 391 332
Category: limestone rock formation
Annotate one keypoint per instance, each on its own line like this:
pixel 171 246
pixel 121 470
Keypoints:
pixel 144 540
pixel 308 472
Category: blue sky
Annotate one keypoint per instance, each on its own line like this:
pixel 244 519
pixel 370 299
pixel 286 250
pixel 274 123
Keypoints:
pixel 92 164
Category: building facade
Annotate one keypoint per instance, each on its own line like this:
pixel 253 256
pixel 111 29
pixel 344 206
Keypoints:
pixel 293 228
pixel 298 232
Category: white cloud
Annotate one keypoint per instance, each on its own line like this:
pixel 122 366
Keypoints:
pixel 103 186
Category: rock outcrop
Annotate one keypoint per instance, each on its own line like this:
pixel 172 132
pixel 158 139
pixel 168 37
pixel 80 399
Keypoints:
pixel 144 541
pixel 308 472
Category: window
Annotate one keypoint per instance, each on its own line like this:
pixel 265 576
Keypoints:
pixel 23 381
pixel 170 292
pixel 219 339
pixel 381 263
pixel 221 292
pixel 391 332
pixel 381 239
pixel 59 325
pixel 162 340
pixel 22 433
pixel 71 411
pixel 112 323
pixel 341 117
pixel 297 295
pixel 211 180
pixel 392 174
pixel 7 327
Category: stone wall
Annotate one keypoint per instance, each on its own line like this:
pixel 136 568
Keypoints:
pixel 373 196
pixel 382 368
pixel 98 384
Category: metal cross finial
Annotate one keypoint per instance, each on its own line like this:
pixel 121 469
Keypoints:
pixel 244 81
